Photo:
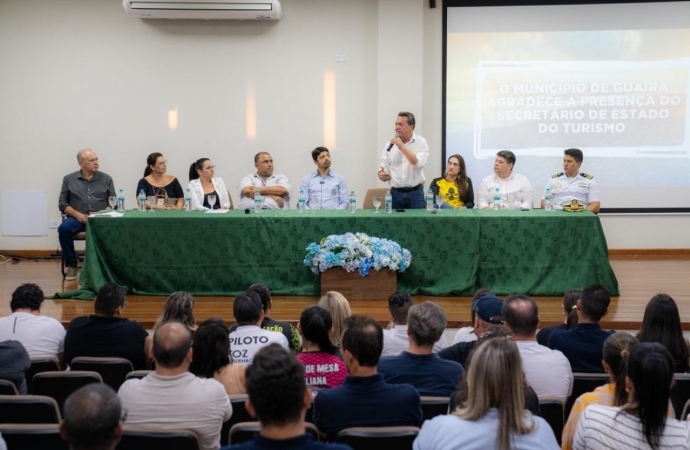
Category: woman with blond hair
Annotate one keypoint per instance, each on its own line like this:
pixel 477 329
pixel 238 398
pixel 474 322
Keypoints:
pixel 179 307
pixel 339 307
pixel 494 415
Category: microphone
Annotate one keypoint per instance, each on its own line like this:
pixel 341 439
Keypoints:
pixel 246 210
pixel 390 146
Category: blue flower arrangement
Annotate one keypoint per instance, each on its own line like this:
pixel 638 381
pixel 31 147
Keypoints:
pixel 356 251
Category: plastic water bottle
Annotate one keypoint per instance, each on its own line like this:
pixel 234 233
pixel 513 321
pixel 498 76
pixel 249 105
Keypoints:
pixel 142 201
pixel 353 202
pixel 389 202
pixel 302 201
pixel 188 200
pixel 429 200
pixel 257 201
pixel 497 199
pixel 548 206
pixel 120 199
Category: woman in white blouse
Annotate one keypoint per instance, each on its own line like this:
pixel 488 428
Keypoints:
pixel 203 183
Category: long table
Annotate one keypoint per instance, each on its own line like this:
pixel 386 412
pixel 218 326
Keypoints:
pixel 454 252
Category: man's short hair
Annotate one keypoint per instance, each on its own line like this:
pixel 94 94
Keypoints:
pixel 363 338
pixel 409 116
pixel 508 156
pixel 275 384
pixel 110 297
pixel 258 155
pixel 594 301
pixel 521 321
pixel 399 304
pixel 91 415
pixel 27 296
pixel 81 153
pixel 426 323
pixel 576 153
pixel 263 292
pixel 170 347
pixel 317 151
pixel 247 308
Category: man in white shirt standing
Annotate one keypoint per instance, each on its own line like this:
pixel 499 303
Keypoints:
pixel 40 335
pixel 547 371
pixel 248 338
pixel 397 340
pixel 402 164
pixel 275 189
pixel 515 189
pixel 172 397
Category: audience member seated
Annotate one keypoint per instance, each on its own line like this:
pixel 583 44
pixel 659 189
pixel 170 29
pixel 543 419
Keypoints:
pixel 172 397
pixel 546 370
pixel 365 399
pixel 248 338
pixel 460 395
pixel 203 182
pixel 210 356
pixel 419 366
pixel 274 374
pixel 569 313
pixel 158 183
pixel 179 307
pixel 488 313
pixel 661 323
pixel 92 418
pixel 269 324
pixel 494 415
pixel 616 350
pixel 107 333
pixel 583 344
pixel 14 361
pixel 643 421
pixel 339 307
pixel 40 335
pixel 396 339
pixel 467 334
pixel 322 367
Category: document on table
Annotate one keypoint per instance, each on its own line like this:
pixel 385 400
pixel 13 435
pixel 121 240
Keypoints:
pixel 108 214
pixel 216 211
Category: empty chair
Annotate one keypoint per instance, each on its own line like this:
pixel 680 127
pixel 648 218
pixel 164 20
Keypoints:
pixel 245 431
pixel 369 197
pixel 59 385
pixel 8 388
pixel 113 370
pixel 38 365
pixel 552 411
pixel 138 374
pixel 140 438
pixel 686 410
pixel 28 409
pixel 680 393
pixel 239 414
pixel 33 436
pixel 434 406
pixel 375 438
pixel 584 382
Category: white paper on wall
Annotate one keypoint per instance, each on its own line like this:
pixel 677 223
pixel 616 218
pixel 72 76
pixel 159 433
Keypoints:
pixel 24 213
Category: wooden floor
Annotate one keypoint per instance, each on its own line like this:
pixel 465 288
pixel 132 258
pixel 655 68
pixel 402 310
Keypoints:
pixel 639 280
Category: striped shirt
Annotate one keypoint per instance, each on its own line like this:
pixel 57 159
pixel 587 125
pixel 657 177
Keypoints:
pixel 606 427
pixel 603 395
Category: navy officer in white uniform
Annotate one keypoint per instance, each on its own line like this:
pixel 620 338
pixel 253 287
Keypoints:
pixel 571 184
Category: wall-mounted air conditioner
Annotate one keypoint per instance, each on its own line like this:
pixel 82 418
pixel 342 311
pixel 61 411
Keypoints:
pixel 204 9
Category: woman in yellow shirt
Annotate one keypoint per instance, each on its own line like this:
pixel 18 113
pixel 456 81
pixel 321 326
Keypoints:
pixel 455 186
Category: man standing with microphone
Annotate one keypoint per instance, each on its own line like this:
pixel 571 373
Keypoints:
pixel 402 164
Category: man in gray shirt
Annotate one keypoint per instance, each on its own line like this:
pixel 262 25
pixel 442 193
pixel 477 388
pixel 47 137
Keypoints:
pixel 83 192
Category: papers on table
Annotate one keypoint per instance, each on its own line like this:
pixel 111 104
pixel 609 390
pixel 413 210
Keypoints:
pixel 108 214
pixel 216 211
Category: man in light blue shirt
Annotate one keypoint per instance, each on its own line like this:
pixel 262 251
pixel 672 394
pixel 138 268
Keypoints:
pixel 324 189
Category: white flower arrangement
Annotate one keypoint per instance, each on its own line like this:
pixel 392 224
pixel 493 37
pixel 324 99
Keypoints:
pixel 356 251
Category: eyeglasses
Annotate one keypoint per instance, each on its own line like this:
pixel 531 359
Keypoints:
pixel 210 168
pixel 163 163
pixel 124 303
pixel 123 414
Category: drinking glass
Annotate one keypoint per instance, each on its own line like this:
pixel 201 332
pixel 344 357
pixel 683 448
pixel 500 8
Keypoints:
pixel 212 200
pixel 511 201
pixel 151 199
pixel 314 203
pixel 377 203
pixel 439 201
pixel 112 200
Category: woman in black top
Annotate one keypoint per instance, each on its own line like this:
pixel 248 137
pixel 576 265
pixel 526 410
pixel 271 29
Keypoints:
pixel 156 182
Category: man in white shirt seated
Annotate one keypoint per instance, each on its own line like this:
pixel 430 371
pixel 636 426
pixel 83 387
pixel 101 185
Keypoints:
pixel 275 189
pixel 172 397
pixel 397 340
pixel 571 184
pixel 40 335
pixel 514 189
pixel 547 371
pixel 248 338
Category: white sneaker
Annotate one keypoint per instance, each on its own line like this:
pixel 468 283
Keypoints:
pixel 71 273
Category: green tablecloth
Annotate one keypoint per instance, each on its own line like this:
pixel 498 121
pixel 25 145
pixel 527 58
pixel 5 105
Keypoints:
pixel 453 252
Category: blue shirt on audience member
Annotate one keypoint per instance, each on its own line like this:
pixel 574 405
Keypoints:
pixel 304 442
pixel 429 374
pixel 366 402
pixel 583 346
pixel 331 191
